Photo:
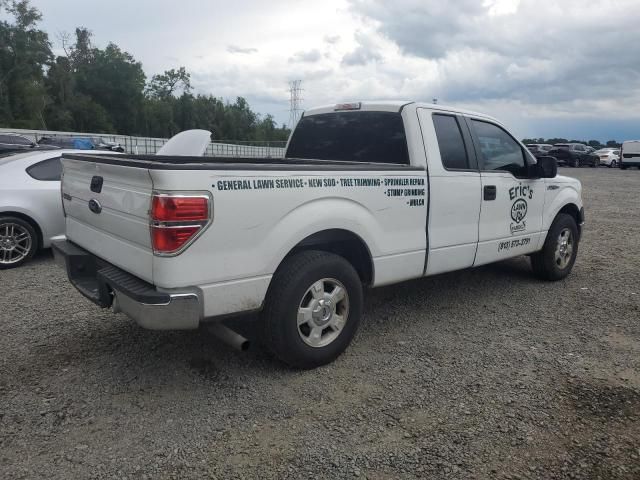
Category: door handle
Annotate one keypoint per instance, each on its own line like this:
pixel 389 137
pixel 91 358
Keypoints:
pixel 490 192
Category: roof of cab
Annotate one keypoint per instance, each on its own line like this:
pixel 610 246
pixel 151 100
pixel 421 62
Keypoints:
pixel 394 106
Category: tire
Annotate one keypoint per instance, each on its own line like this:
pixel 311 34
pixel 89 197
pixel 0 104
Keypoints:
pixel 18 242
pixel 613 164
pixel 293 294
pixel 595 163
pixel 553 262
pixel 575 163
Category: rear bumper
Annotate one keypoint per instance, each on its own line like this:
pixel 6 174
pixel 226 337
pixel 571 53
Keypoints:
pixel 108 286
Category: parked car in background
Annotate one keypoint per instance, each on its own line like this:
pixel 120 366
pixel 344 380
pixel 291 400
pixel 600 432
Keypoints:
pixel 630 154
pixel 31 214
pixel 539 149
pixel 30 207
pixel 82 143
pixel 12 142
pixel 102 144
pixel 574 155
pixel 609 157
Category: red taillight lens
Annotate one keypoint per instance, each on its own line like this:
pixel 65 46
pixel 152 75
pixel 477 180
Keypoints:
pixel 165 208
pixel 176 220
pixel 171 239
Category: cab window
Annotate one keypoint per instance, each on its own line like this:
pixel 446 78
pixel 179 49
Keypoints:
pixel 452 150
pixel 372 137
pixel 498 150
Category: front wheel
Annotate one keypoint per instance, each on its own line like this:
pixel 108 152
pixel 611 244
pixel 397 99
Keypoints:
pixel 18 242
pixel 575 163
pixel 312 309
pixel 556 259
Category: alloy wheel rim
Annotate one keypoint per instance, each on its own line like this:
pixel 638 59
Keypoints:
pixel 323 312
pixel 15 243
pixel 564 248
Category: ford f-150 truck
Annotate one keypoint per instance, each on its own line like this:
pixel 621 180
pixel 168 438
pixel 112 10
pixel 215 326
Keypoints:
pixel 368 194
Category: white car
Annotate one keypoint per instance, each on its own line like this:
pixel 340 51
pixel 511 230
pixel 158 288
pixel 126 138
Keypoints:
pixel 30 207
pixel 368 194
pixel 609 157
pixel 31 214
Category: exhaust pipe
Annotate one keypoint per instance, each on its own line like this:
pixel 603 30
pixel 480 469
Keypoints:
pixel 229 337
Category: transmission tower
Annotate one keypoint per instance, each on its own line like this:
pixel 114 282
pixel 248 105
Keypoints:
pixel 295 109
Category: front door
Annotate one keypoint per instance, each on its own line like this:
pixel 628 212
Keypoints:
pixel 512 204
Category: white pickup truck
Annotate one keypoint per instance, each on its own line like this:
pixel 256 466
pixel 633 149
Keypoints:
pixel 369 194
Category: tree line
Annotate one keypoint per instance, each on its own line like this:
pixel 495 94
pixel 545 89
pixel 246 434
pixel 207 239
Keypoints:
pixel 105 90
pixel 592 143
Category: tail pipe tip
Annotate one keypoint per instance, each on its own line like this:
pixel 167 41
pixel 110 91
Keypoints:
pixel 228 336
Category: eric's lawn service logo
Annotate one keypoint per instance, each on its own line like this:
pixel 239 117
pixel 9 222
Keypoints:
pixel 520 194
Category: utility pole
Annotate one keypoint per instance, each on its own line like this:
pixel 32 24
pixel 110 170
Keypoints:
pixel 295 109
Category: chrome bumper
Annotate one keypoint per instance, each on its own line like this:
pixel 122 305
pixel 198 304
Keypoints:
pixel 108 286
pixel 181 312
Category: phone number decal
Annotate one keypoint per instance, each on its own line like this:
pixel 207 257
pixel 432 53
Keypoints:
pixel 509 244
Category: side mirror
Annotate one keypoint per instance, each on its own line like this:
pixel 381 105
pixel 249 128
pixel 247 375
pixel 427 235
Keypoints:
pixel 547 167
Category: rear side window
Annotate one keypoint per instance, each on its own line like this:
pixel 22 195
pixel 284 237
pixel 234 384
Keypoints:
pixel 376 137
pixel 499 151
pixel 47 170
pixel 452 150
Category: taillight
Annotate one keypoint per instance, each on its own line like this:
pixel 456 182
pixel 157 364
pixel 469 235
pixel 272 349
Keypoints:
pixel 176 220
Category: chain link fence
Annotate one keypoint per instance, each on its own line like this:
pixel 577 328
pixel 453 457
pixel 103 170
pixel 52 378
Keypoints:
pixel 150 145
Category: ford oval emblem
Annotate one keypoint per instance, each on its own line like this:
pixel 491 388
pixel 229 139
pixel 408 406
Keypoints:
pixel 95 206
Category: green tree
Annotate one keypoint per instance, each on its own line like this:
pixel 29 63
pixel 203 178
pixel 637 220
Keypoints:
pixel 92 89
pixel 24 51
pixel 165 85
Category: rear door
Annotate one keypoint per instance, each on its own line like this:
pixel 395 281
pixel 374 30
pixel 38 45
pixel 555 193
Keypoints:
pixel 512 204
pixel 454 186
pixel 107 213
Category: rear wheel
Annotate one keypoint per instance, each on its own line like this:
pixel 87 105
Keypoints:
pixel 556 259
pixel 18 242
pixel 313 308
pixel 613 164
pixel 575 163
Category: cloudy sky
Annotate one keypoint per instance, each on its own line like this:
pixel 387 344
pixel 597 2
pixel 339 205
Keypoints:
pixel 568 68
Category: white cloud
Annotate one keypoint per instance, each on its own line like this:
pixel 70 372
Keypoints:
pixel 310 56
pixel 521 60
pixel 243 50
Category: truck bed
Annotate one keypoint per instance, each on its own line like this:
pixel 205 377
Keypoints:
pixel 162 162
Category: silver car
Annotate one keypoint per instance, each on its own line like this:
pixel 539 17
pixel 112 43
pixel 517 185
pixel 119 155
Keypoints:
pixel 30 205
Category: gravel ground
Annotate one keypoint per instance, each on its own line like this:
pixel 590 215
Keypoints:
pixel 485 373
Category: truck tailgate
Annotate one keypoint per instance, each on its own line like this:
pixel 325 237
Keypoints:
pixel 107 213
